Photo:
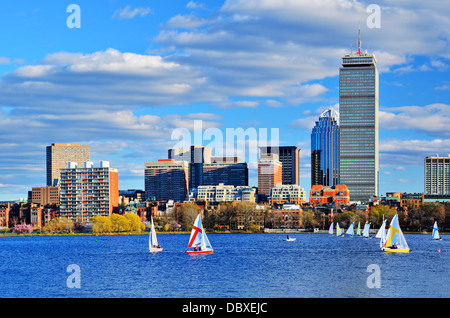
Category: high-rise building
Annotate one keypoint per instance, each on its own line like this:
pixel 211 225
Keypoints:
pixel 325 149
pixel 226 170
pixel 45 195
pixel 358 126
pixel 166 179
pixel 196 156
pixel 87 191
pixel 269 174
pixel 59 155
pixel 289 157
pixel 437 175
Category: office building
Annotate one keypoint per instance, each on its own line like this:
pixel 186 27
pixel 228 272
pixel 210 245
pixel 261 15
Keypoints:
pixel 226 170
pixel 289 156
pixel 59 155
pixel 87 191
pixel 287 193
pixel 196 156
pixel 358 125
pixel 269 174
pixel 222 193
pixel 325 149
pixel 437 175
pixel 166 179
pixel 45 195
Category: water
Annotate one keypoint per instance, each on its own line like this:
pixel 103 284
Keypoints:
pixel 242 266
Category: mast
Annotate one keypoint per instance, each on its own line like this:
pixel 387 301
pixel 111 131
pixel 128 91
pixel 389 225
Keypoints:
pixel 359 39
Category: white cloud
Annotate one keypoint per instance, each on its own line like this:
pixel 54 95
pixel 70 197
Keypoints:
pixel 128 13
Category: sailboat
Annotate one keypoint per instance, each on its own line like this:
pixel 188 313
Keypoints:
pixel 435 235
pixel 153 245
pixel 330 231
pixel 381 234
pixel 366 230
pixel 198 239
pixel 338 230
pixel 350 230
pixel 358 230
pixel 395 240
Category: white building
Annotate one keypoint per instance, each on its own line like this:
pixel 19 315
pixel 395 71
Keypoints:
pixel 222 193
pixel 287 193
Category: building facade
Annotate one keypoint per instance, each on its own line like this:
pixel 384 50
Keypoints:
pixel 287 193
pixel 59 155
pixel 358 112
pixel 269 174
pixel 166 179
pixel 196 156
pixel 222 193
pixel 45 195
pixel 325 149
pixel 323 195
pixel 88 191
pixel 437 175
pixel 289 156
pixel 226 170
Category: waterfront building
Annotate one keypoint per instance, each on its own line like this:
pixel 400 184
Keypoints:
pixel 437 175
pixel 323 195
pixel 287 193
pixel 358 125
pixel 45 195
pixel 88 191
pixel 222 193
pixel 5 209
pixel 166 179
pixel 289 156
pixel 325 149
pixel 226 170
pixel 59 155
pixel 269 174
pixel 195 156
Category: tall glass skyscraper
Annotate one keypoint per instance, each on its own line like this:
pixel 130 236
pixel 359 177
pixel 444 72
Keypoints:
pixel 358 107
pixel 325 149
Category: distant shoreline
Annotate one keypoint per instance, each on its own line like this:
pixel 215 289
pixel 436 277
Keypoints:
pixel 180 232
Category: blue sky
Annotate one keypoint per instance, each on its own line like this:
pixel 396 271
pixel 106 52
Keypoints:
pixel 138 70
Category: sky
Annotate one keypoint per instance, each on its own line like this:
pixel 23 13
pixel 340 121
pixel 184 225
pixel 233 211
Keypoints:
pixel 137 75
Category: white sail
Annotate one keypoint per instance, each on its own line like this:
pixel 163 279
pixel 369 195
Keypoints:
pixel 338 229
pixel 330 231
pixel 382 231
pixel 395 236
pixel 435 234
pixel 350 230
pixel 358 230
pixel 366 229
pixel 153 245
pixel 198 236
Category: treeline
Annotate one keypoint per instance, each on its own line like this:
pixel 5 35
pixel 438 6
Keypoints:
pixel 245 216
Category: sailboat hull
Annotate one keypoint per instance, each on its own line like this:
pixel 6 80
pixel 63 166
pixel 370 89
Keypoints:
pixel 155 250
pixel 396 250
pixel 200 252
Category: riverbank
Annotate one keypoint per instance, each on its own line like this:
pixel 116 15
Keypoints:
pixel 266 231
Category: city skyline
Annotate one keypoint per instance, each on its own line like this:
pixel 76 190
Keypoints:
pixel 136 71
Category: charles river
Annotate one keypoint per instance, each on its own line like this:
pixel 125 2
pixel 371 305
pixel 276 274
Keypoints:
pixel 242 266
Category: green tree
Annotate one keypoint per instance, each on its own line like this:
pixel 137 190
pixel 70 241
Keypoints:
pixel 188 213
pixel 377 214
pixel 308 219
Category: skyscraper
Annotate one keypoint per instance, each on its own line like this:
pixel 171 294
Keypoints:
pixel 269 174
pixel 437 175
pixel 289 156
pixel 166 179
pixel 196 156
pixel 87 191
pixel 358 107
pixel 325 149
pixel 59 155
pixel 226 170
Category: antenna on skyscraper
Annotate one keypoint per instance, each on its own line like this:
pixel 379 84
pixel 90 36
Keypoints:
pixel 359 38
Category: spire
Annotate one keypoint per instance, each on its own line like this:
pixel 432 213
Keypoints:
pixel 359 38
